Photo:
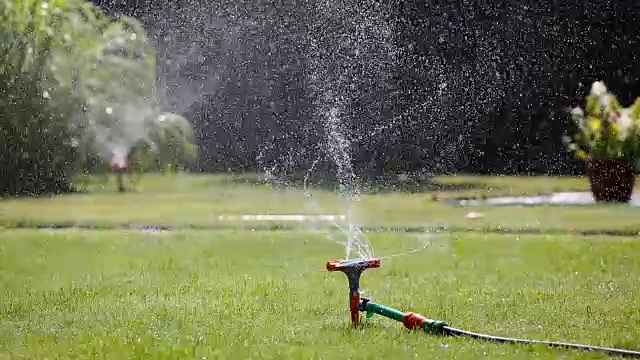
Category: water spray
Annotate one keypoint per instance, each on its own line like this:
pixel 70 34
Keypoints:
pixel 354 269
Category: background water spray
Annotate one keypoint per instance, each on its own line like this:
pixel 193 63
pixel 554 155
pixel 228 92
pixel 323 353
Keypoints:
pixel 350 50
pixel 113 82
pixel 484 80
pixel 247 58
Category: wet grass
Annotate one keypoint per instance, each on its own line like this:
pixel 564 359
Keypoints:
pixel 264 294
pixel 237 294
pixel 197 201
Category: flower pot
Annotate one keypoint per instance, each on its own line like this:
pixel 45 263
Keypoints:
pixel 612 180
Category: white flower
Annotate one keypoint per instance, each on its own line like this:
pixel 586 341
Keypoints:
pixel 577 114
pixel 598 88
pixel 605 101
pixel 625 121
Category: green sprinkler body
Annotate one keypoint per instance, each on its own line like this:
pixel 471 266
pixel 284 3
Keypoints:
pixel 410 320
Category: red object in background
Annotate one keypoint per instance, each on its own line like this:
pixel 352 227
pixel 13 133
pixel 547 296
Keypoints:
pixel 118 163
pixel 119 167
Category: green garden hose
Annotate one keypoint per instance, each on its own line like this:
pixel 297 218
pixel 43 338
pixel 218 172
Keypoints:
pixel 413 320
pixel 354 268
pixel 612 351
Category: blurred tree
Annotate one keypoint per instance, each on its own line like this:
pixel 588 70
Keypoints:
pixel 35 155
pixel 170 148
pixel 73 83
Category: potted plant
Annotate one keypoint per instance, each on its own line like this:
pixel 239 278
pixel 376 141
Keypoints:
pixel 607 137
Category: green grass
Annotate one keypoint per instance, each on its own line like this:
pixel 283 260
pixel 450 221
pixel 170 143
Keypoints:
pixel 240 294
pixel 224 292
pixel 197 202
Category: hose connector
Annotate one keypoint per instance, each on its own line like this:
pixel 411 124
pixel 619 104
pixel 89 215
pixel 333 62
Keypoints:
pixel 413 320
pixel 410 320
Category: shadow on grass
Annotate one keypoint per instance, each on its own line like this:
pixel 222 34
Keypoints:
pixel 42 193
pixel 6 224
pixel 348 329
pixel 379 185
pixel 422 185
pixel 392 183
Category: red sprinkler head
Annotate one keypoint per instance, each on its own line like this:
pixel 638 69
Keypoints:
pixel 348 265
pixel 353 269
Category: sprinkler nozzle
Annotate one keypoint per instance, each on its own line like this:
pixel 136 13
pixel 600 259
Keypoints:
pixel 353 269
pixel 350 265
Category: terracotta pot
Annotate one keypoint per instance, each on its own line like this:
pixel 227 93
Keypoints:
pixel 611 179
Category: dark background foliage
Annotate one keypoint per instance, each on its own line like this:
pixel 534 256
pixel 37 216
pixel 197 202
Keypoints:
pixel 467 87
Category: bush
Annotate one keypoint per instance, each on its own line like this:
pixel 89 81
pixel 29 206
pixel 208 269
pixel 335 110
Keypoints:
pixel 74 86
pixel 34 155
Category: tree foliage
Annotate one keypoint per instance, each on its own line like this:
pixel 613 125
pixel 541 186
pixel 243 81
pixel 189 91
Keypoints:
pixel 76 85
pixel 34 156
pixel 171 146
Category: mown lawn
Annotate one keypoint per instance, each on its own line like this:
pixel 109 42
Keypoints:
pixel 198 201
pixel 229 289
pixel 264 294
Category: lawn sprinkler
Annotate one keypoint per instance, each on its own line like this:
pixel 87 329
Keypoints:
pixel 354 269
